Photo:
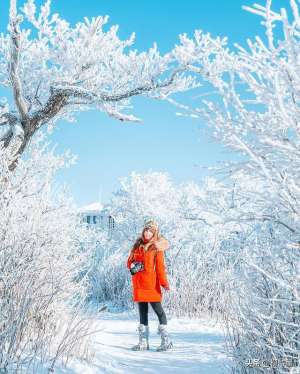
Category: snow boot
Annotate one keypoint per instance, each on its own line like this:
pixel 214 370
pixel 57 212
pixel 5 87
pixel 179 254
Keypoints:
pixel 143 343
pixel 165 339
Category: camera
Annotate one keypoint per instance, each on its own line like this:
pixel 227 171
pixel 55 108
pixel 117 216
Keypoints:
pixel 136 267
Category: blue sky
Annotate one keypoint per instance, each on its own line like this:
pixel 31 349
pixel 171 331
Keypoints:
pixel 108 149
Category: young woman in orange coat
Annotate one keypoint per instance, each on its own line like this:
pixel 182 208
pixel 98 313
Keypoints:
pixel 147 266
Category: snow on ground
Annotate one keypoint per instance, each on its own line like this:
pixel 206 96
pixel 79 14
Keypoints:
pixel 198 347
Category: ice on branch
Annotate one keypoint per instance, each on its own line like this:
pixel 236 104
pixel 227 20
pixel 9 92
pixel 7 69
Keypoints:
pixel 65 69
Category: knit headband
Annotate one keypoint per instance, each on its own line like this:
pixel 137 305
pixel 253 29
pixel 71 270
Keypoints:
pixel 151 224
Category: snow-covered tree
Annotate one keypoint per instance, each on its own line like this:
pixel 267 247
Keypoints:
pixel 250 98
pixel 189 217
pixel 138 196
pixel 54 70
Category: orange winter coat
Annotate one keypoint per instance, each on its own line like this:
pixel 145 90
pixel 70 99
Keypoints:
pixel 147 283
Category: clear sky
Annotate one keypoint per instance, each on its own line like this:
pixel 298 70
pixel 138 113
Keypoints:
pixel 108 149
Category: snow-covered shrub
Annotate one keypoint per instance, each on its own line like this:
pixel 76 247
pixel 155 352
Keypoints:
pixel 41 288
pixel 108 280
pixel 262 313
pixel 252 106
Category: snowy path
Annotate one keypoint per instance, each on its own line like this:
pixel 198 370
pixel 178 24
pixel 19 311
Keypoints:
pixel 198 347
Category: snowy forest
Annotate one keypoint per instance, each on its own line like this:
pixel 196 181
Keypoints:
pixel 234 254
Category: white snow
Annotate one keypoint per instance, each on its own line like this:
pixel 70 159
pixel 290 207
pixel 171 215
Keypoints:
pixel 95 207
pixel 198 347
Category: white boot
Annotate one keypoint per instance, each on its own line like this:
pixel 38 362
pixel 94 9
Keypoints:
pixel 143 343
pixel 165 340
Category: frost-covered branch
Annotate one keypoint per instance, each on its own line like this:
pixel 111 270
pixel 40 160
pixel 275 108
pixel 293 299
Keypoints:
pixel 15 50
pixel 65 69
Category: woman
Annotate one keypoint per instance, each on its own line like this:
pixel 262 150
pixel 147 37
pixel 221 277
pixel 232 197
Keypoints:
pixel 146 262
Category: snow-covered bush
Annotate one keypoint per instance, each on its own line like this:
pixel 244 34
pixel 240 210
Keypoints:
pixel 108 279
pixel 41 288
pixel 252 106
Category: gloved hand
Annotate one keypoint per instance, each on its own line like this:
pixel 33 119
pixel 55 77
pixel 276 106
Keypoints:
pixel 166 287
pixel 136 267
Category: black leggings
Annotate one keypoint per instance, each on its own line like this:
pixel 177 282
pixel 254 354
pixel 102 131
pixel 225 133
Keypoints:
pixel 158 309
